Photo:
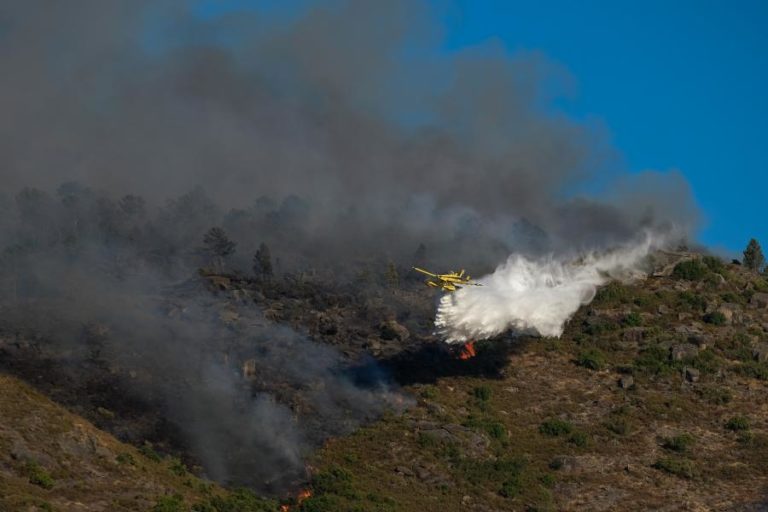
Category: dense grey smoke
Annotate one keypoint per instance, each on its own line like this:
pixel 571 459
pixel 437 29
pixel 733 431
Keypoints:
pixel 337 134
pixel 349 105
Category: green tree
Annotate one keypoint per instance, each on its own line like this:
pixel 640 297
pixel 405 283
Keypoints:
pixel 217 244
pixel 262 262
pixel 753 256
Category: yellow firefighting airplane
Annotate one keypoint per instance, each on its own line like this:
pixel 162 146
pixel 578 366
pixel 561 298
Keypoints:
pixel 448 282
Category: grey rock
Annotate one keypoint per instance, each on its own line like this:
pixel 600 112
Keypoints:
pixel 759 300
pixel 626 381
pixel 683 351
pixel 692 374
pixel 760 352
pixel 391 330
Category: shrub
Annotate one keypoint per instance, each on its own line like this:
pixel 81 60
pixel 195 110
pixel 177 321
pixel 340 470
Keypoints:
pixel 691 270
pixel 173 503
pixel 555 427
pixel 737 424
pixel 715 318
pixel 592 359
pixel 754 369
pixel 239 500
pixel 677 467
pixel 580 439
pixel 619 426
pixel 716 395
pixel 482 393
pixel 693 300
pixel 679 443
pixel 633 319
pixel 653 359
pixel 39 476
pixel 714 264
pixel 177 467
pixel 125 458
pixel 150 452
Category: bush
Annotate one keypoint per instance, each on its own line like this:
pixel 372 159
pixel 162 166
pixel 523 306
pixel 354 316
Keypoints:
pixel 619 426
pixel 239 500
pixel 555 427
pixel 482 393
pixel 691 270
pixel 633 319
pixel 125 458
pixel 679 443
pixel 173 503
pixel 754 369
pixel 39 476
pixel 714 264
pixel 715 318
pixel 693 300
pixel 580 439
pixel 177 467
pixel 677 467
pixel 737 424
pixel 592 359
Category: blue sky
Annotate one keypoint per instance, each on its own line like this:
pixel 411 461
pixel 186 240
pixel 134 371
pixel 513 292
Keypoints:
pixel 680 84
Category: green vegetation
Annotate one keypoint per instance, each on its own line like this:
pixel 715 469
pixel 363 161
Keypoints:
pixel 174 503
pixel 678 467
pixel 177 467
pixel 39 476
pixel 679 443
pixel 691 270
pixel 753 256
pixel 737 424
pixel 593 359
pixel 555 427
pixel 579 438
pixel 714 264
pixel 126 458
pixel 239 500
pixel 149 452
pixel 482 393
pixel 754 369
pixel 633 319
pixel 715 318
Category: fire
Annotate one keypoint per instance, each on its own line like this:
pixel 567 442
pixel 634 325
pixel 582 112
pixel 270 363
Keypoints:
pixel 303 495
pixel 467 351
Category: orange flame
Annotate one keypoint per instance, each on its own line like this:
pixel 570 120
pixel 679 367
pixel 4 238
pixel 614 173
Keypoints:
pixel 467 351
pixel 303 495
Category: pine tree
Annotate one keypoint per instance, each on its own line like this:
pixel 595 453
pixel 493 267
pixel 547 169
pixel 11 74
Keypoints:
pixel 218 245
pixel 753 256
pixel 392 276
pixel 262 261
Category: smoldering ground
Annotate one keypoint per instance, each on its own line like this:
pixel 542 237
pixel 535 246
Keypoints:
pixel 337 133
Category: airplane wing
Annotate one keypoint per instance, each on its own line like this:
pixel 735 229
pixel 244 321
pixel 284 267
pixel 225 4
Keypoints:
pixel 417 269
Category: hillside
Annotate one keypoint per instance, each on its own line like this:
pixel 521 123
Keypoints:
pixel 52 460
pixel 653 399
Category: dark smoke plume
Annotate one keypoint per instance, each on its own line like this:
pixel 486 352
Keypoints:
pixel 336 134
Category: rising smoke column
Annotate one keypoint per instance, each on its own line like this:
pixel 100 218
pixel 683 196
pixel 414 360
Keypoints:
pixel 534 296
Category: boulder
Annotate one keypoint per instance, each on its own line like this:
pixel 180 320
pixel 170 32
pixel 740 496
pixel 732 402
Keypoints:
pixel 692 374
pixel 635 334
pixel 759 300
pixel 391 330
pixel 683 351
pixel 760 352
pixel 626 381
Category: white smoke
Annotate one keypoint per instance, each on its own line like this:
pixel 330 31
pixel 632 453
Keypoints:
pixel 535 296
